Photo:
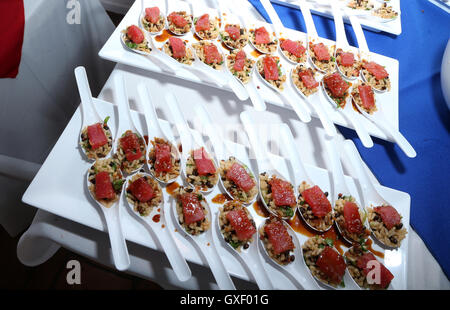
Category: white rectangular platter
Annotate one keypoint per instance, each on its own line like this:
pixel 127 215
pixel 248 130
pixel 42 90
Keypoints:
pixel 387 102
pixel 59 188
pixel 393 27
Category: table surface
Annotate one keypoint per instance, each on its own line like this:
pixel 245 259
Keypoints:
pixel 424 117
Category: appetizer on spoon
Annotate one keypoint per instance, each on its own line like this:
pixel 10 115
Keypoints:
pixel 194 217
pixel 200 170
pixel 104 181
pixel 365 100
pixel 206 24
pixel 336 90
pixel 236 178
pixel 143 195
pixel 384 220
pixel 238 230
pixel 163 156
pixel 129 145
pixel 95 136
pixel 179 19
pixel 313 205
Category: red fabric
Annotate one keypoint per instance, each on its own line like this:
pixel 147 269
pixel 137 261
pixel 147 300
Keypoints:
pixel 12 25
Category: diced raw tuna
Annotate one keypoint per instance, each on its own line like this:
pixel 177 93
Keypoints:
pixel 178 47
pixel 321 52
pixel 347 59
pixel 336 84
pixel 367 96
pixel 377 70
pixel 96 135
pixel 152 14
pixel 130 145
pixel 202 23
pixel 279 237
pixel 282 192
pixel 233 31
pixel 239 61
pixel 177 19
pixel 192 209
pixel 135 34
pixel 262 36
pixel 270 68
pixel 103 186
pixel 385 275
pixel 142 190
pixel 389 216
pixel 204 164
pixel 293 47
pixel 240 177
pixel 308 79
pixel 331 264
pixel 163 160
pixel 241 224
pixel 212 54
pixel 352 218
pixel 317 200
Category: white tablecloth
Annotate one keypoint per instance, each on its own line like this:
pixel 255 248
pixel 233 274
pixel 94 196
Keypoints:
pixel 36 106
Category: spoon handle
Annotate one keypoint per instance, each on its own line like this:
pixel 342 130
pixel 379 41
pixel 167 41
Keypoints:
pixel 148 107
pixel 256 99
pixel 300 107
pixel 116 238
pixel 341 38
pixel 398 137
pixel 276 22
pixel 252 260
pixel 125 121
pixel 300 173
pixel 173 253
pixel 338 173
pixel 360 37
pixel 216 265
pixel 256 142
pixel 368 190
pixel 357 125
pixel 184 131
pixel 85 94
pixel 327 124
pixel 310 28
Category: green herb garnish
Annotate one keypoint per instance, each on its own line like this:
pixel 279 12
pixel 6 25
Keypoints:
pixel 117 184
pixel 106 120
pixel 329 241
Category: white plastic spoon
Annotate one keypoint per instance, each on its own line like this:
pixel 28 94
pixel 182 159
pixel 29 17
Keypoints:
pixel 165 238
pixel 223 75
pixel 341 38
pixel 177 6
pixel 300 108
pixel 142 16
pixel 197 13
pixel 264 163
pixel 311 32
pixel 371 197
pixel 379 119
pixel 317 105
pixel 89 112
pixel 205 243
pixel 221 149
pixel 188 141
pixel 251 259
pixel 364 53
pixel 112 216
pixel 125 119
pixel 153 126
pixel 299 171
pixel 297 272
pixel 351 115
pixel 339 184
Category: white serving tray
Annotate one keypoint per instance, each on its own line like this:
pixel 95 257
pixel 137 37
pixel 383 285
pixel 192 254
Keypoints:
pixel 393 27
pixel 387 102
pixel 59 188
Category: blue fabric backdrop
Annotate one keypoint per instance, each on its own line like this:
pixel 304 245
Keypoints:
pixel 424 117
